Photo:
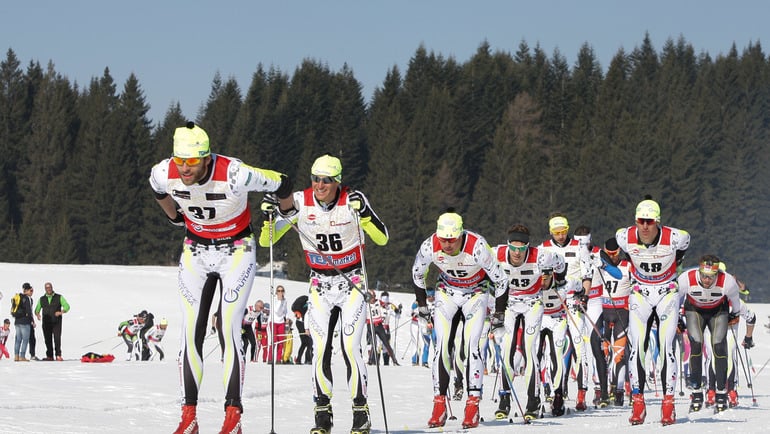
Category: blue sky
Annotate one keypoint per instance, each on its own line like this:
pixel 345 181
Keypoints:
pixel 175 48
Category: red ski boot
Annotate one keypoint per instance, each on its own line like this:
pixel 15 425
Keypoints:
pixel 232 423
pixel 638 409
pixel 580 404
pixel 189 423
pixel 438 417
pixel 667 411
pixel 471 412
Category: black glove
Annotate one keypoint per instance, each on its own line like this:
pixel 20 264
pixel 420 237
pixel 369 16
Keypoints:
pixel 680 325
pixel 580 299
pixel 358 203
pixel 269 206
pixel 399 309
pixel 178 220
pixel 497 320
pixel 748 342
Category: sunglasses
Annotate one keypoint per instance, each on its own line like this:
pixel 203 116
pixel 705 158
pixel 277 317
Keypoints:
pixel 518 249
pixel 560 232
pixel 280 290
pixel 448 240
pixel 322 179
pixel 190 161
pixel 648 222
pixel 612 253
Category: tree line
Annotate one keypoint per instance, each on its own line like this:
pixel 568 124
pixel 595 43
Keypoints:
pixel 503 138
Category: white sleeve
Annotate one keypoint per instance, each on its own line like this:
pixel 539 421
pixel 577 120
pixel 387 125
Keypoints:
pixel 244 178
pixel 421 263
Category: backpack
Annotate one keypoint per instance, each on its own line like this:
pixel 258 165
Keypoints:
pixel 15 304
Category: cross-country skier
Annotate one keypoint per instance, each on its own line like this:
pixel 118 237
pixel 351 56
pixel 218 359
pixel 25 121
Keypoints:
pixel 519 314
pixel 707 294
pixel 655 252
pixel 326 215
pixel 207 194
pixel 153 336
pixel 468 273
pixel 129 331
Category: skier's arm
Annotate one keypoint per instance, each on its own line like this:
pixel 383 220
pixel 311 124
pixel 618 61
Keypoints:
pixel 370 222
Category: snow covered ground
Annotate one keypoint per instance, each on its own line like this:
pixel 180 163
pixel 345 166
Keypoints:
pixel 121 397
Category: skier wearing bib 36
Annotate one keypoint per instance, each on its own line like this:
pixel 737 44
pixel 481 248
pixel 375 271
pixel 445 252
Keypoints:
pixel 329 217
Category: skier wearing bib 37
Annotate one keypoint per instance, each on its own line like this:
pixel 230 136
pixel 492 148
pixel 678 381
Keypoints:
pixel 207 194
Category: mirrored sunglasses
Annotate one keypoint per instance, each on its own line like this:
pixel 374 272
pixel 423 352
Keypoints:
pixel 560 231
pixel 518 249
pixel 322 179
pixel 647 222
pixel 189 161
pixel 448 240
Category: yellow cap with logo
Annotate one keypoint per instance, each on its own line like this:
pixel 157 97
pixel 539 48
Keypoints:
pixel 326 165
pixel 449 225
pixel 648 209
pixel 191 141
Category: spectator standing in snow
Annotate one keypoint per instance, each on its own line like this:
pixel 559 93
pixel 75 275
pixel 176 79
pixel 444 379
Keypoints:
pixel 53 307
pixel 278 325
pixel 5 331
pixel 23 324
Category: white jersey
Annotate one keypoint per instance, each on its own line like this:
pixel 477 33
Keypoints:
pixel 155 334
pixel 613 291
pixel 572 252
pixel 250 316
pixel 4 332
pixel 725 287
pixel 656 263
pixel 334 232
pixel 216 207
pixel 524 280
pixel 467 271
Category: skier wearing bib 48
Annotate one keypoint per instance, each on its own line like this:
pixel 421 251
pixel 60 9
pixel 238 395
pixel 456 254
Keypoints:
pixel 207 194
pixel 655 251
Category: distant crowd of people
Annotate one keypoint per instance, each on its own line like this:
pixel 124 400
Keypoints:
pixel 28 314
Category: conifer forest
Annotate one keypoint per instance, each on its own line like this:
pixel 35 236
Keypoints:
pixel 501 137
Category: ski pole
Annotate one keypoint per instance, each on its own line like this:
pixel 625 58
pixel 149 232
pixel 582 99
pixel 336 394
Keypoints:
pixel 99 342
pixel 763 366
pixel 272 331
pixel 449 406
pixel 745 372
pixel 369 310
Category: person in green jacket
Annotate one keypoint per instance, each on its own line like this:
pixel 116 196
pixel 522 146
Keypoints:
pixel 53 307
